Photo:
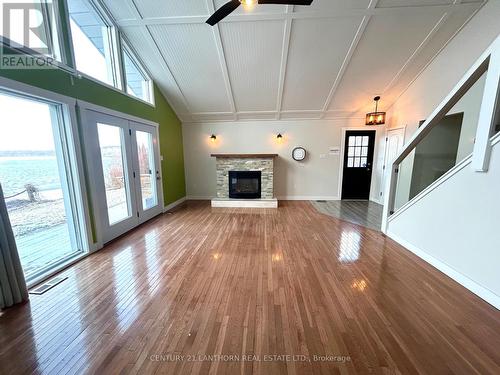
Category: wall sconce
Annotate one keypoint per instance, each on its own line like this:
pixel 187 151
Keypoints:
pixel 213 138
pixel 375 118
pixel 279 138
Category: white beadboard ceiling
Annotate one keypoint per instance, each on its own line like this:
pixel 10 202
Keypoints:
pixel 283 62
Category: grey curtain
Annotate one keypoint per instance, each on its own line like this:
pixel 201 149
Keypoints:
pixel 12 284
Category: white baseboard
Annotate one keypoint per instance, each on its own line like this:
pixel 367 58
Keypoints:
pixel 174 204
pixel 307 198
pixel 460 278
pixel 198 198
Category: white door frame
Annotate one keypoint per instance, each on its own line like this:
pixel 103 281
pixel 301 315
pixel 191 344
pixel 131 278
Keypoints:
pixel 401 129
pixel 145 215
pixel 342 155
pixel 83 107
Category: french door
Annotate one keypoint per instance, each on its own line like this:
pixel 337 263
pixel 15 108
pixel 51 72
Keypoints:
pixel 124 170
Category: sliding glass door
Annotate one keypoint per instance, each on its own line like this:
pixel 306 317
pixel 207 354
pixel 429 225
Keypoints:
pixel 123 160
pixel 39 183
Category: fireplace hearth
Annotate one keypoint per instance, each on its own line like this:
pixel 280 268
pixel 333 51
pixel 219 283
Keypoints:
pixel 245 184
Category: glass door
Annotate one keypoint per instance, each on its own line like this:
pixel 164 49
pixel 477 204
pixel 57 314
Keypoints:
pixel 109 156
pixel 123 158
pixel 147 170
pixel 40 182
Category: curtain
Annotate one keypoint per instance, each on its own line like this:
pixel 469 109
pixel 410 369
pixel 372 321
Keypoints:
pixel 12 284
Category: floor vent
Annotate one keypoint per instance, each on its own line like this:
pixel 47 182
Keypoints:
pixel 48 285
pixel 321 201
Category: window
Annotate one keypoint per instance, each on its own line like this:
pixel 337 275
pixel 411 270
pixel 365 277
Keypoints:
pixel 93 44
pixel 138 82
pixel 32 27
pixel 39 183
pixel 357 152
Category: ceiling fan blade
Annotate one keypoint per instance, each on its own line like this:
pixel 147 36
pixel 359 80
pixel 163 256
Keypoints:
pixel 286 2
pixel 223 12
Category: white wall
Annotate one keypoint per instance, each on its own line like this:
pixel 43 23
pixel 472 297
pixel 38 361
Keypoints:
pixel 316 178
pixel 457 224
pixel 443 73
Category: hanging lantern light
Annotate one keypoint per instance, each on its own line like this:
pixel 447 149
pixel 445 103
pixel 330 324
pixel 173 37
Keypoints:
pixel 375 118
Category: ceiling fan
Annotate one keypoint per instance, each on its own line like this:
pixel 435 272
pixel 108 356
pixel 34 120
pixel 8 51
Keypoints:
pixel 231 6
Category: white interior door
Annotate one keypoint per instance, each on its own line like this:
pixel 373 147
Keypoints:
pixel 124 170
pixel 393 145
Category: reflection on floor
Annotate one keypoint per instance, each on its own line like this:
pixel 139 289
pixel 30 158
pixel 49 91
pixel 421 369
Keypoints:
pixel 251 291
pixel 365 213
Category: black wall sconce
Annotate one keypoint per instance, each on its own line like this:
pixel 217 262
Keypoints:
pixel 279 137
pixel 213 137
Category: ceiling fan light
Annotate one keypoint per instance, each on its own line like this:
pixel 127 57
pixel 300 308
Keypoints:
pixel 248 2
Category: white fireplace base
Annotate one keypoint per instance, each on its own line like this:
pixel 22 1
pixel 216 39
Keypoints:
pixel 246 203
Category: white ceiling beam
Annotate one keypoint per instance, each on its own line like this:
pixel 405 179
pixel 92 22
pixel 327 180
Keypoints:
pixel 419 48
pixel 341 13
pixel 284 61
pixel 162 59
pixel 407 86
pixel 348 57
pixel 222 61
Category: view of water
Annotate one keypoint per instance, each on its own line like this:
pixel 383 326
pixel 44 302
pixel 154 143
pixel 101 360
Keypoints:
pixel 17 171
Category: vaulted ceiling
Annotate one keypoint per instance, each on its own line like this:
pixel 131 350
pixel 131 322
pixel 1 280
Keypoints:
pixel 284 62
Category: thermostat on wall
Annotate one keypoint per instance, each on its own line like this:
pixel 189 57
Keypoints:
pixel 334 150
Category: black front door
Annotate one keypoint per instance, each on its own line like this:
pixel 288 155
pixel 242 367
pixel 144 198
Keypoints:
pixel 358 163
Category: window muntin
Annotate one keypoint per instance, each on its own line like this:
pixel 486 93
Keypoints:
pixel 138 83
pixel 357 151
pixel 93 45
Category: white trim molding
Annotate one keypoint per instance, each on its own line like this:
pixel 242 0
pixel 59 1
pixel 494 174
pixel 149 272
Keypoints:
pixel 452 273
pixel 172 205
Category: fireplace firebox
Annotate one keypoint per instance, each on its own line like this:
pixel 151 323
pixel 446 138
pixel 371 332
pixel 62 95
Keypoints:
pixel 245 184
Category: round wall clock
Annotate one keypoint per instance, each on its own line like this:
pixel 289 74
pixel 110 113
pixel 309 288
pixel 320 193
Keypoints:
pixel 299 153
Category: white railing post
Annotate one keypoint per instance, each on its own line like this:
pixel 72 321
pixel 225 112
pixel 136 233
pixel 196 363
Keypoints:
pixel 486 122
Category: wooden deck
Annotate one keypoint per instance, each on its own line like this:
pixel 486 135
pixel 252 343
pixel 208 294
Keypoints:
pixel 252 291
pixel 39 249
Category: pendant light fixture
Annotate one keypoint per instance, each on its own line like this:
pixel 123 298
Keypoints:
pixel 375 118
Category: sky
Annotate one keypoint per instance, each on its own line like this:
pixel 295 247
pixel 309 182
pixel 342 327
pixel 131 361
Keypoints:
pixel 25 125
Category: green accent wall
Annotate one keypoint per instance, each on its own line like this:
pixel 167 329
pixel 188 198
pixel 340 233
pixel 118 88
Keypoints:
pixel 171 148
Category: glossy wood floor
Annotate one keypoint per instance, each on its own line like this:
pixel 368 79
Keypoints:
pixel 232 291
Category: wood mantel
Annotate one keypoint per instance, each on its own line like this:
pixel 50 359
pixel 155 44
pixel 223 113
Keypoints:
pixel 244 156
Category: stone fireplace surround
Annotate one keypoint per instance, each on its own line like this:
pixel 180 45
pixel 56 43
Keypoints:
pixel 245 162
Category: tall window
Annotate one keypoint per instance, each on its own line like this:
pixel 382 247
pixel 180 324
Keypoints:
pixel 93 44
pixel 138 82
pixel 38 183
pixel 31 26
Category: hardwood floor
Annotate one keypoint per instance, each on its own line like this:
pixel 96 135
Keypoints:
pixel 232 291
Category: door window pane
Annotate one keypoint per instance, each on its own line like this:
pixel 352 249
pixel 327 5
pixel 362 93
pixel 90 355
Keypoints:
pixel 111 144
pixel 32 174
pixel 147 170
pixel 91 42
pixel 138 83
